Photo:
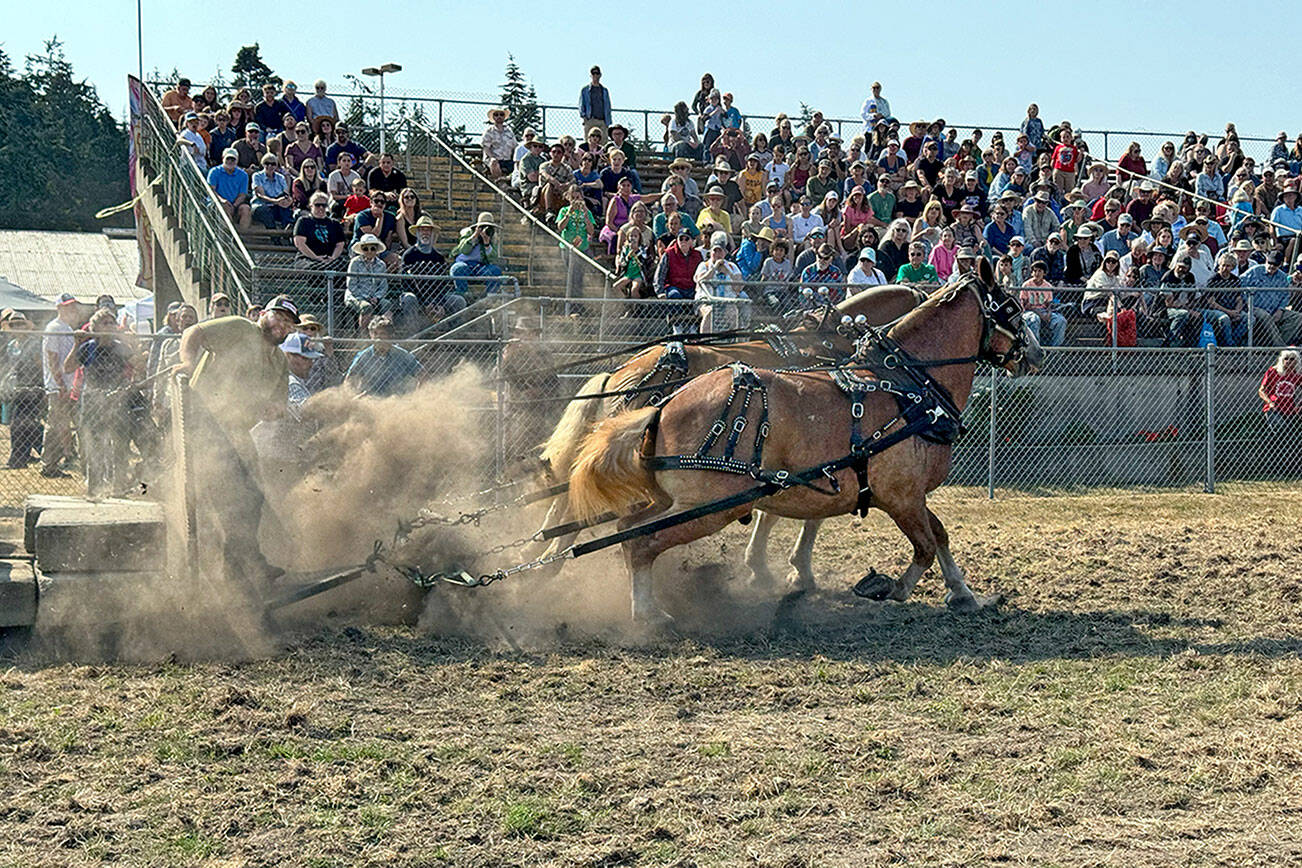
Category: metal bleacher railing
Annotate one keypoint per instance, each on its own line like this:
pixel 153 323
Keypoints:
pixel 217 256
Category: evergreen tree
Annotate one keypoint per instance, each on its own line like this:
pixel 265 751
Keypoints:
pixel 519 98
pixel 62 156
pixel 249 69
pixel 806 117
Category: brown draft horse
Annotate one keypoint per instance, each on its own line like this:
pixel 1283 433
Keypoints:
pixel 879 305
pixel 810 424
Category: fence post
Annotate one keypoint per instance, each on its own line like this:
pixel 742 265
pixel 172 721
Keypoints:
pixel 330 304
pixel 1251 294
pixel 1106 157
pixel 501 402
pixel 990 454
pixel 1209 366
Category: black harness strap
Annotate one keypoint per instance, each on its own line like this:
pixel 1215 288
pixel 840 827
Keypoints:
pixel 770 482
pixel 670 367
pixel 746 384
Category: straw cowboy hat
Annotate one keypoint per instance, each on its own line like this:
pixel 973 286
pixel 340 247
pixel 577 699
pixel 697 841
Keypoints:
pixel 425 223
pixel 499 108
pixel 367 240
pixel 767 234
pixel 485 219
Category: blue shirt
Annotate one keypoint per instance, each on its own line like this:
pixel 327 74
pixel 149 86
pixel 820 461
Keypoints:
pixel 731 118
pixel 1034 129
pixel 273 187
pixel 1112 241
pixel 1291 217
pixel 356 150
pixel 1273 299
pixel 392 373
pixel 749 259
pixel 228 185
pixel 998 240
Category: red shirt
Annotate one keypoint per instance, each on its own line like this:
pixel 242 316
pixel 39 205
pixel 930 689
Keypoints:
pixel 1065 157
pixel 1280 388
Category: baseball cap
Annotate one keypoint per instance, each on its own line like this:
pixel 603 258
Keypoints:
pixel 300 345
pixel 66 298
pixel 257 129
pixel 1017 239
pixel 285 305
pixel 1125 218
pixel 683 230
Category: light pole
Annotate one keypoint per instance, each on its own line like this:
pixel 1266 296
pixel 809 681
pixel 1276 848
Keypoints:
pixel 380 71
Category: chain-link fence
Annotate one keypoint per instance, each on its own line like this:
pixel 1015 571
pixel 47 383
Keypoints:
pixel 1094 418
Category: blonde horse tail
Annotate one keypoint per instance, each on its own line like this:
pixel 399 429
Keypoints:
pixel 608 474
pixel 577 420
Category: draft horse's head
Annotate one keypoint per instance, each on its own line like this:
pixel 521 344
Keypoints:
pixel 1006 341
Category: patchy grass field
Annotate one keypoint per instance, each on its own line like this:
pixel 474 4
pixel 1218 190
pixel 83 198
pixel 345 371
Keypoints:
pixel 1137 700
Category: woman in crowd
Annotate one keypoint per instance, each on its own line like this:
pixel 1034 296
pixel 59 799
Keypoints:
pixel 206 101
pixel 927 227
pixel 680 133
pixel 238 117
pixel 943 255
pixel 702 97
pixel 760 148
pixel 800 172
pixel 618 212
pixel 301 148
pixel 105 360
pixel 854 219
pixel 782 133
pixel 325 132
pixel 589 182
pixel 309 181
pixel 894 251
pixel 778 220
pixel 1278 390
pixel 409 212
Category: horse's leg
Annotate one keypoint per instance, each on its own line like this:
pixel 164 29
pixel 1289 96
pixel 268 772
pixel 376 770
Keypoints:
pixel 757 551
pixel 640 553
pixel 913 520
pixel 959 597
pixel 802 556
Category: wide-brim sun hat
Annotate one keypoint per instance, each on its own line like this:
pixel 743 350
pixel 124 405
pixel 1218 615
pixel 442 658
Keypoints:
pixel 367 241
pixel 485 219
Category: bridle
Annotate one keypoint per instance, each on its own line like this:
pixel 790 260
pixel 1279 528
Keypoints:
pixel 1000 314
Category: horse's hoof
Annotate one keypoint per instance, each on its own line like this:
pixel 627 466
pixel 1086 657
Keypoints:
pixel 654 618
pixel 963 604
pixel 875 586
pixel 799 583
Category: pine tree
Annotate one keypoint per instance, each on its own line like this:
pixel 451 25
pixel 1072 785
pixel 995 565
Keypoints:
pixel 805 119
pixel 62 156
pixel 519 98
pixel 250 70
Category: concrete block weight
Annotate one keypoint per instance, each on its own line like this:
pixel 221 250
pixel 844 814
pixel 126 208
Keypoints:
pixel 17 593
pixel 105 537
pixel 36 504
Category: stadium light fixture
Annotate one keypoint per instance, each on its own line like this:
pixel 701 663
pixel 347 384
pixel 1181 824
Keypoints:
pixel 379 71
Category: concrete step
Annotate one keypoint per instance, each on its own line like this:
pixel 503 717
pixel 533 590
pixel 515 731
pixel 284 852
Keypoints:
pixel 124 537
pixel 17 593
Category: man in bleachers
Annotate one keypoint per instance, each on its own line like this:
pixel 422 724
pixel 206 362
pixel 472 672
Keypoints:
pixel 339 184
pixel 386 178
pixel 1288 213
pixel 1054 258
pixel 319 105
pixel 231 184
pixel 525 177
pixel 383 369
pixel 477 255
pixel 1119 239
pixel 344 145
pixel 270 113
pixel 1038 221
pixel 1272 297
pixel 434 298
pixel 555 177
pixel 498 145
pixel 675 275
pixel 381 223
pixel 250 149
pixel 318 238
pixel 177 101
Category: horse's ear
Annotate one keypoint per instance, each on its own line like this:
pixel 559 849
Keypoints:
pixel 985 271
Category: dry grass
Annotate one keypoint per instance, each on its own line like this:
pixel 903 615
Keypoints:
pixel 1136 700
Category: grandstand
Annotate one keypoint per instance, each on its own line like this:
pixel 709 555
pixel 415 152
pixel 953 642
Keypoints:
pixel 1245 209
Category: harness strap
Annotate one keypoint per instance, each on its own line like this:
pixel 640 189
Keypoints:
pixel 770 483
pixel 670 367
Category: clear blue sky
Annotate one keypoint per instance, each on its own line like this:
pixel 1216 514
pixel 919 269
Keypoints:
pixel 1107 64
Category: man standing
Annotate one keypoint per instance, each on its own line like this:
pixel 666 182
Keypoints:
pixel 56 346
pixel 874 107
pixel 238 377
pixel 300 355
pixel 382 369
pixel 594 105
pixel 22 361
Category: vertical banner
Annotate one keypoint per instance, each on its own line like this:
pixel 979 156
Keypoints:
pixel 144 236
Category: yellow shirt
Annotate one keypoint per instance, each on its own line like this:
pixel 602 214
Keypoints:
pixel 718 217
pixel 241 377
pixel 752 185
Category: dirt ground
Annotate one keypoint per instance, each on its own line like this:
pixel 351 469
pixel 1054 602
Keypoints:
pixel 1135 700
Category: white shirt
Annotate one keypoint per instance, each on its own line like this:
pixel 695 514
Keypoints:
pixel 857 277
pixel 195 147
pixel 59 341
pixel 801 226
